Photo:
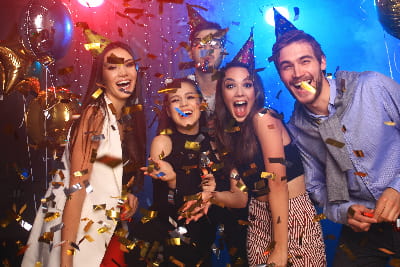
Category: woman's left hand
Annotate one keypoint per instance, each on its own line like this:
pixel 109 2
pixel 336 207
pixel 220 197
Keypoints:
pixel 130 206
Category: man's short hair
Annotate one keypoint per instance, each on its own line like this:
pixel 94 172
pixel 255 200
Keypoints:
pixel 205 26
pixel 291 37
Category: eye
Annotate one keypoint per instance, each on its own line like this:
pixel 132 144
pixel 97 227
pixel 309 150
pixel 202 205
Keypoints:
pixel 229 85
pixel 111 67
pixel 248 85
pixel 305 61
pixel 174 100
pixel 286 67
pixel 130 64
pixel 190 97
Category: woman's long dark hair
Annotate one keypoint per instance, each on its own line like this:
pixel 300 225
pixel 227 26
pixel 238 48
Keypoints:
pixel 165 121
pixel 241 146
pixel 134 127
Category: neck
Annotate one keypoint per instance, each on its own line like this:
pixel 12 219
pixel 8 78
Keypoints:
pixel 207 85
pixel 320 105
pixel 118 105
pixel 194 129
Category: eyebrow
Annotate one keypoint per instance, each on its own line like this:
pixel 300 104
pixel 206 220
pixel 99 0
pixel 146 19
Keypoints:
pixel 300 58
pixel 233 80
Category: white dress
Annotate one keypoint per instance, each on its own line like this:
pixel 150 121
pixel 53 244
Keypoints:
pixel 106 183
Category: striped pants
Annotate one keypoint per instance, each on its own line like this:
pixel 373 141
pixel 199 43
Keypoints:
pixel 306 244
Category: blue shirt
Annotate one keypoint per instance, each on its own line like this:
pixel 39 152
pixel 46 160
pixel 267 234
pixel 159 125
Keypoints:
pixel 371 132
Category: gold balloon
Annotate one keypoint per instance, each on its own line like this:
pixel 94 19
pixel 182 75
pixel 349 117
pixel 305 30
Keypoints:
pixel 28 85
pixel 50 116
pixel 389 16
pixel 15 62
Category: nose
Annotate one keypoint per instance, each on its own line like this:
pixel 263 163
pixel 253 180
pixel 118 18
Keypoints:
pixel 297 71
pixel 121 70
pixel 239 91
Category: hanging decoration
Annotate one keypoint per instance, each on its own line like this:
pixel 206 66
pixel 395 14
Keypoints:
pixel 46 29
pixel 389 16
pixel 50 115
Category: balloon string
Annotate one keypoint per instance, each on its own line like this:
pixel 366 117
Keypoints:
pixel 29 150
pixel 387 53
pixel 45 130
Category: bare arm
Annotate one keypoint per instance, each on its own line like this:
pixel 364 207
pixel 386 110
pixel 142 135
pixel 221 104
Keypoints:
pixel 269 131
pixel 80 162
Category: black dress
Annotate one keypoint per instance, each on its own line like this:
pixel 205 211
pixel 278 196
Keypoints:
pixel 196 243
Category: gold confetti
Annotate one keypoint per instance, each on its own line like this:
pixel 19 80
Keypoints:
pixel 358 153
pixel 148 215
pixel 167 91
pixel 268 175
pixel 51 216
pixel 113 59
pixel 110 161
pixel 347 251
pixel 38 264
pixel 306 86
pixel 232 129
pixel 97 93
pixel 88 225
pixel 390 123
pixel 46 237
pixel 81 173
pixel 112 108
pixel 166 132
pixel 319 217
pixel 174 241
pixel 333 142
pixel 99 207
pixel 192 145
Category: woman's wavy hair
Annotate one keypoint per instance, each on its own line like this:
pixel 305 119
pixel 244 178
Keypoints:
pixel 241 146
pixel 134 127
pixel 165 121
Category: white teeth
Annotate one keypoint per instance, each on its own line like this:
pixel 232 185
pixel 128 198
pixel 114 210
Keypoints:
pixel 238 103
pixel 188 112
pixel 123 83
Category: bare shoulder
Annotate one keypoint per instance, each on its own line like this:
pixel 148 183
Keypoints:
pixel 266 115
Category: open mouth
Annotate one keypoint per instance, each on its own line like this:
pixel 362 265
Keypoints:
pixel 123 85
pixel 306 85
pixel 239 108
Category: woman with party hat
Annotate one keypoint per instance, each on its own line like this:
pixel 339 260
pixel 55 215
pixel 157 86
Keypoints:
pixel 282 225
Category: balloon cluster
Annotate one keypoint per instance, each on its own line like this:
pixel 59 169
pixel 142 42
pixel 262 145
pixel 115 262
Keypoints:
pixel 45 34
pixel 50 115
pixel 389 16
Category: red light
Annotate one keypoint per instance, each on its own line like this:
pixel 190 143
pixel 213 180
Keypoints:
pixel 91 3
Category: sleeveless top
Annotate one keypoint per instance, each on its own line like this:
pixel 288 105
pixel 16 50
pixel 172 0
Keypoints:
pixel 251 173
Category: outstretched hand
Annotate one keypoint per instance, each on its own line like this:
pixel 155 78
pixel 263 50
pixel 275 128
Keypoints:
pixel 193 210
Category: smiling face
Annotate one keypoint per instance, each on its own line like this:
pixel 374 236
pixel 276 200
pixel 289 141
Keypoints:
pixel 184 108
pixel 206 50
pixel 119 74
pixel 297 63
pixel 238 92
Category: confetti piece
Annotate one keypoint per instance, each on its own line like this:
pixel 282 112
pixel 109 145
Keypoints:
pixel 180 112
pixel 113 59
pixel 88 187
pixel 306 86
pixel 351 211
pixel 112 108
pixel 110 161
pixel 99 207
pixel 51 216
pixel 386 251
pixel 192 145
pixel 362 174
pixel 390 123
pixel 367 214
pixel 97 93
pixel 268 175
pixel 270 248
pixel 333 142
pixel 319 217
pixel 81 173
pixel 358 153
pixel 46 237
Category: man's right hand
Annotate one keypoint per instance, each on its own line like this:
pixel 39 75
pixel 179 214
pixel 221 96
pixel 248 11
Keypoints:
pixel 359 218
